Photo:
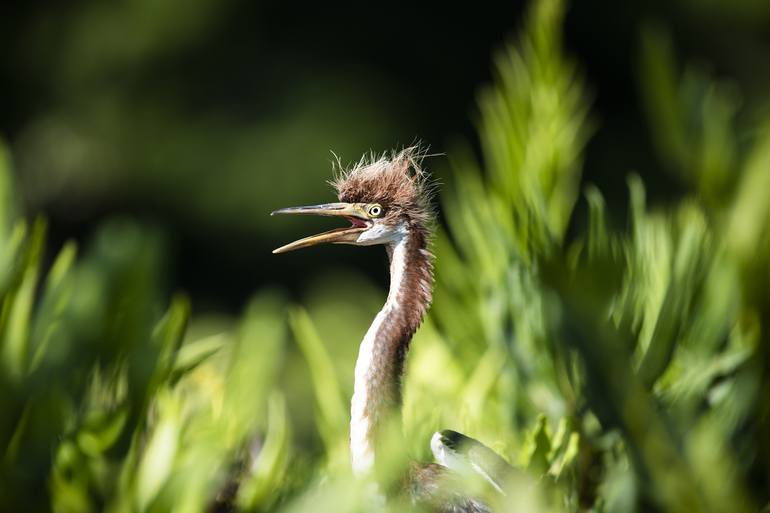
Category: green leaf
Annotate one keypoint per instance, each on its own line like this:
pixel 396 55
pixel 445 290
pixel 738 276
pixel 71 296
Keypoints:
pixel 101 430
pixel 7 195
pixel 537 446
pixel 192 354
pixel 17 308
pixel 162 447
pixel 56 295
pixel 331 412
pixel 167 337
pixel 263 480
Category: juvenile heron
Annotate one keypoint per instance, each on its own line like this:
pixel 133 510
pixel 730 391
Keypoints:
pixel 387 201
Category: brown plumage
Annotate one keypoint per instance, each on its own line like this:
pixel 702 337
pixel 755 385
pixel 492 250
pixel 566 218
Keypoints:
pixel 396 181
pixel 436 487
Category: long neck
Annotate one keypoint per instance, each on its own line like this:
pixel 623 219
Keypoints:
pixel 380 364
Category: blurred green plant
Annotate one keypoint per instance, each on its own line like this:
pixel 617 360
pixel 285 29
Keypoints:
pixel 105 405
pixel 620 370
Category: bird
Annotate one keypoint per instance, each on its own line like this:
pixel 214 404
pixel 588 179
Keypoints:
pixel 387 199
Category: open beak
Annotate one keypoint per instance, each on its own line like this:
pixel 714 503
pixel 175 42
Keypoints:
pixel 353 212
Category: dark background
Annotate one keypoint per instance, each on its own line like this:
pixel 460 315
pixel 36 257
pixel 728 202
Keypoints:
pixel 201 117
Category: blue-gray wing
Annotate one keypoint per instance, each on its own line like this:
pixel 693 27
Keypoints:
pixel 464 455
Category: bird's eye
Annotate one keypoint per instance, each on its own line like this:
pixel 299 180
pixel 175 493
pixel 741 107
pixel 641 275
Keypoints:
pixel 375 210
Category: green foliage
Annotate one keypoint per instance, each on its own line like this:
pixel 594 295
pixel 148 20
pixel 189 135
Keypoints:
pixel 618 370
pixel 332 416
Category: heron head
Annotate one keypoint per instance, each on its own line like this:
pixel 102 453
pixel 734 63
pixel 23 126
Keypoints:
pixel 384 199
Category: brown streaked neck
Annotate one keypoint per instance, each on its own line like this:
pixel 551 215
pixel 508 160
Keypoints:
pixel 380 364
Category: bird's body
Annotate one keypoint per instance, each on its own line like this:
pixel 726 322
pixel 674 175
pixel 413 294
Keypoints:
pixel 387 201
pixel 437 487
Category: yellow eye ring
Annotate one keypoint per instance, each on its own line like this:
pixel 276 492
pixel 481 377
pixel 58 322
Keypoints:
pixel 375 210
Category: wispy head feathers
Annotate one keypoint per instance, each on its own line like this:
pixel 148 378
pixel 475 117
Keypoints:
pixel 395 180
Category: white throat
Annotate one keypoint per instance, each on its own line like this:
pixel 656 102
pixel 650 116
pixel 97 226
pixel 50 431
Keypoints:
pixel 361 425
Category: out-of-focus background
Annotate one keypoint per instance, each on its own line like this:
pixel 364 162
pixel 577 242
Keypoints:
pixel 601 306
pixel 202 117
